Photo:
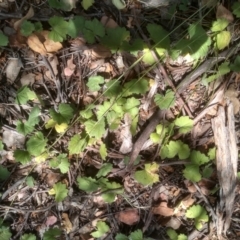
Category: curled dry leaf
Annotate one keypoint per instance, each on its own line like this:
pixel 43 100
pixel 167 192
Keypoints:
pixel 163 210
pixel 66 223
pixel 108 22
pixel 53 61
pixel 40 43
pixel 187 201
pixel 99 51
pixel 129 216
pixel 29 14
pixel 13 68
pixel 69 70
pixel 222 12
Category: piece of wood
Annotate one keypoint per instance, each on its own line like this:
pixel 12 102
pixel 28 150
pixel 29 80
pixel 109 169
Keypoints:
pixel 226 159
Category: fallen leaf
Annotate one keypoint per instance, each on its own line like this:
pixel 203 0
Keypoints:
pixel 29 14
pixel 27 79
pixel 108 22
pixel 69 70
pixel 173 223
pixel 187 201
pixel 100 51
pixel 163 210
pixel 223 12
pixel 40 43
pixel 66 224
pixel 53 61
pixel 12 139
pixel 129 216
pixel 13 68
pixel 51 220
pixel 191 188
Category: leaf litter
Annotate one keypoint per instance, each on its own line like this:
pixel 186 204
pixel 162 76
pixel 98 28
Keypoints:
pixel 78 93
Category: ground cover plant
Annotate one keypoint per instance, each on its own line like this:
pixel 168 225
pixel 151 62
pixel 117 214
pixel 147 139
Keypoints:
pixel 119 120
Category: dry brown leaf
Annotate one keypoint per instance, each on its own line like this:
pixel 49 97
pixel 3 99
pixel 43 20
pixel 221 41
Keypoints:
pixel 191 188
pixel 129 216
pixel 27 79
pixel 36 45
pixel 40 43
pixel 66 223
pixel 99 51
pixel 51 177
pixel 163 210
pixel 187 201
pixel 222 12
pixel 13 68
pixel 53 61
pixel 108 22
pixel 69 70
pixel 173 223
pixel 29 14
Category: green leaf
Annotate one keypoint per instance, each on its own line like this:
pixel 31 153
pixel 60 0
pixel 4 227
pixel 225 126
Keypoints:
pixel 24 128
pixel 131 103
pixel 5 233
pixel 75 26
pixel 1 145
pixel 236 9
pixel 77 144
pixel 199 214
pixel 87 113
pixel 3 40
pixel 64 5
pixel 207 172
pixel 219 25
pixel 86 4
pixel 148 176
pixel 59 29
pixel 223 40
pixel 28 237
pixel 94 83
pixel 64 163
pixel 102 228
pixel 51 234
pixel 121 236
pixel 236 65
pixel 135 86
pixel 30 181
pixel 198 158
pixel 159 36
pixel 104 170
pixel 27 28
pixel 87 184
pixel 22 156
pixel 36 144
pixel 33 118
pixel 60 191
pixel 191 172
pixel 172 234
pixel 4 173
pixel 165 102
pixel 103 151
pixel 103 109
pixel 95 129
pixel 64 114
pixel 93 29
pixel 184 123
pixel 114 37
pixel 174 148
pixel 24 94
pixel 182 237
pixel 112 88
pixel 38 26
pixel 119 4
pixel 212 153
pixel 197 45
pixel 133 47
pixel 136 235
